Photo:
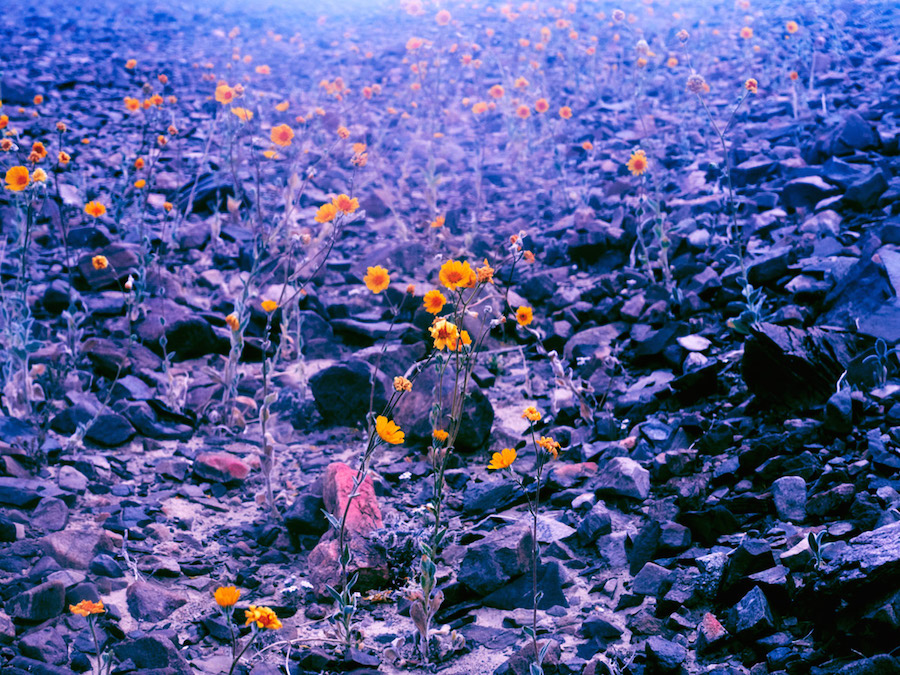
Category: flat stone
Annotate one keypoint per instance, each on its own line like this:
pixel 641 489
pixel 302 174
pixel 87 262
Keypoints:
pixel 624 477
pixel 151 602
pixel 40 603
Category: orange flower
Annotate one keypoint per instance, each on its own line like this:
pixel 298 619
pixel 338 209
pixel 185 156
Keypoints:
pixel 99 262
pixel 794 75
pixel 38 99
pixel 343 132
pixel 672 62
pixel 414 43
pixel 242 114
pixel 751 85
pixel 587 145
pixel 377 279
pixel 550 445
pixel 565 112
pixel 445 334
pixel 132 104
pixel 524 315
pixel 86 608
pixel 6 144
pixel 503 459
pixel 163 79
pixel 523 111
pixel 38 150
pixel 638 164
pixel 455 274
pixel 95 209
pixel 791 27
pixel 263 617
pixel 437 222
pixel 17 178
pixel 140 183
pixel 234 324
pixel 521 83
pixel 64 158
pixel 442 18
pixel 388 431
pixel 227 596
pixel 746 32
pixel 4 121
pixel 269 306
pixel 167 206
pixel 282 135
pixel 479 108
pixel 284 105
pixel 440 435
pixel 326 213
pixel 270 154
pixel 532 414
pixel 139 163
pixel 224 94
pixel 345 204
pixel 541 105
pixel 130 64
pixel 39 176
pixel 434 301
pixel 496 91
pixel 263 70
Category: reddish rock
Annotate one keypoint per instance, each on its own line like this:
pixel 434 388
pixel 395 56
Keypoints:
pixel 220 467
pixel 365 514
pixel 710 633
pixel 569 475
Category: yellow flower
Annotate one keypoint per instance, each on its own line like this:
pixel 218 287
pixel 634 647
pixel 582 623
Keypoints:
pixel 440 435
pixel 455 274
pixel 524 315
pixel 284 105
pixel 130 64
pixel 503 459
pixel 550 445
pixel 227 596
pixel 140 183
pixel 343 132
pixel 638 164
pixel 168 206
pixel 242 114
pixel 437 222
pixel 17 178
pixel 263 617
pixel 792 27
pixel 234 324
pixel 388 431
pixel 282 135
pixel 269 306
pixel 402 384
pixel 87 607
pixel 95 209
pixel 377 279
pixel 39 176
pixel 532 414
pixel 224 94
pixel 434 301
pixel 445 334
pixel 746 32
pixel 99 262
pixel 326 213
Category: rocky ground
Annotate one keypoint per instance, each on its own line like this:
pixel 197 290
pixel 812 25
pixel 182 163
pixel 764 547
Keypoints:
pixel 706 431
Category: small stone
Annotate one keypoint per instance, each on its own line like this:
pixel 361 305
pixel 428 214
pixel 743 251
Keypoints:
pixel 110 430
pixel 789 494
pixel 839 412
pixel 220 467
pixel 711 634
pixel 652 580
pixel 50 515
pixel 495 560
pixel 46 646
pixel 72 479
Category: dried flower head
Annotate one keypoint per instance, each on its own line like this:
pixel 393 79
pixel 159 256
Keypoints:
pixel 402 384
pixel 751 85
pixel 696 84
pixel 682 35
pixel 233 323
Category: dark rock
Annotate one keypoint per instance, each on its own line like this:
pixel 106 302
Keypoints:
pixel 792 366
pixel 489 497
pixel 495 560
pixel 304 516
pixel 653 580
pixel 151 602
pixel 624 477
pixel 832 501
pixel 110 431
pixel 664 656
pixel 40 603
pixel 595 523
pixel 517 594
pixel 413 412
pixel 104 565
pixel 50 515
pixel 45 645
pixel 342 392
pixel 839 412
pixel 642 547
pixel 709 524
pixel 520 662
pixel 153 654
pixel 751 616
